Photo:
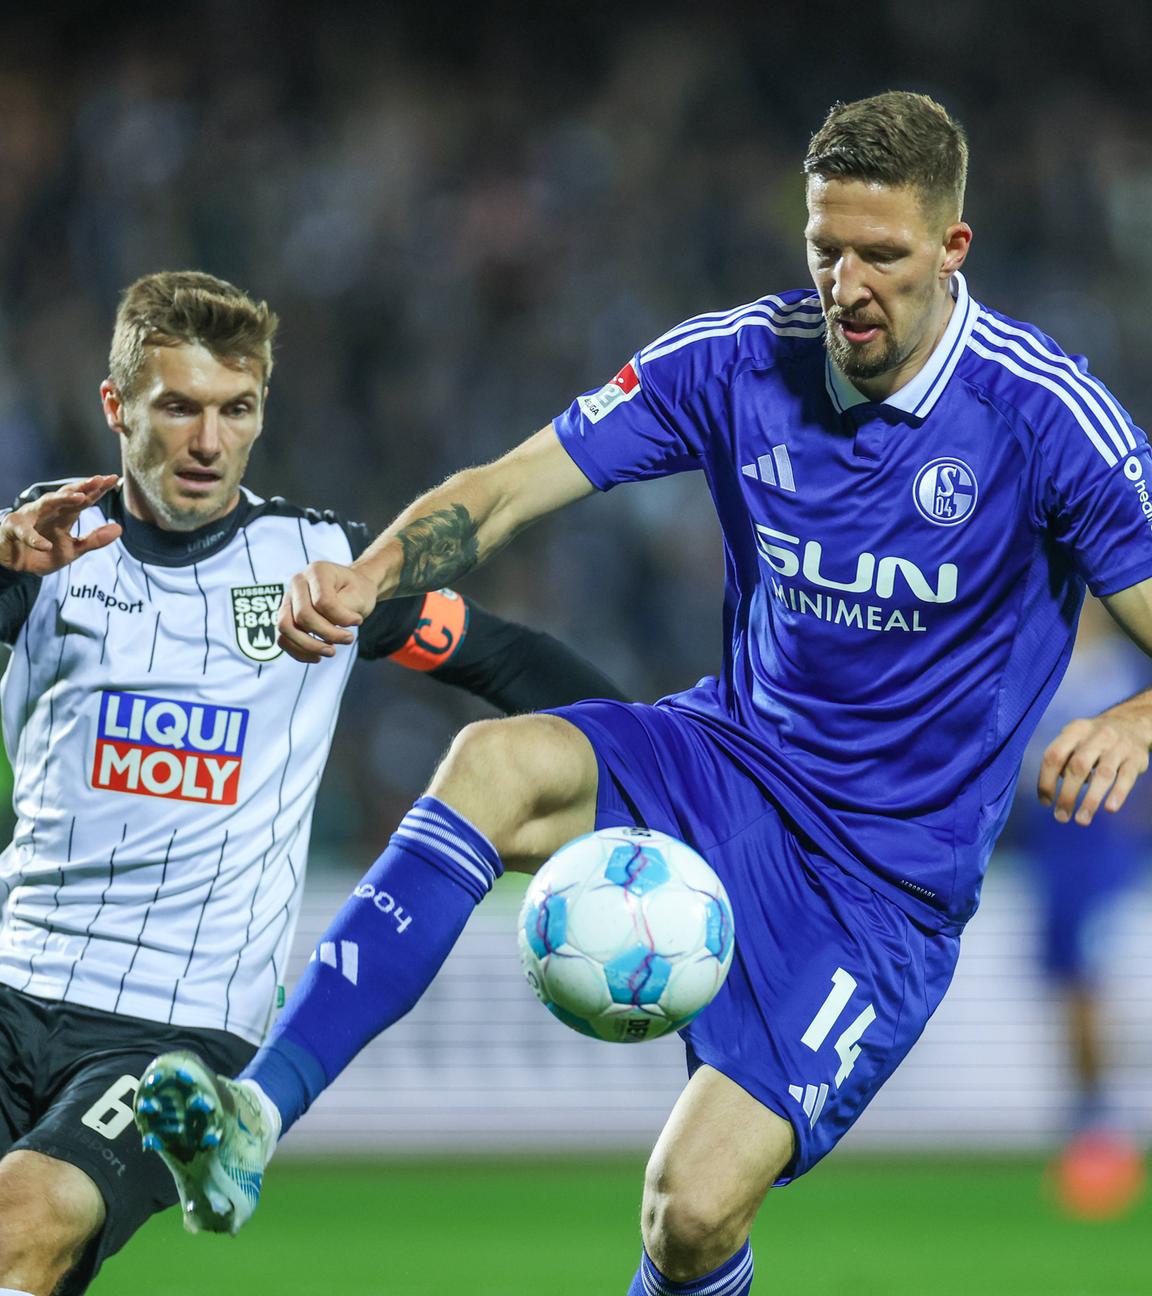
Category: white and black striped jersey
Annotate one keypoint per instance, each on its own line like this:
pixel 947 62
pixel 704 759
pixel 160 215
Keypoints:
pixel 167 755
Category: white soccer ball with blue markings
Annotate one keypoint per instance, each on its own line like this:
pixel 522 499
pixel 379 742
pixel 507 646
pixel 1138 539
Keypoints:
pixel 626 934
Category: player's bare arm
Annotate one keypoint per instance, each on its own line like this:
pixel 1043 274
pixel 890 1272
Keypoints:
pixel 438 548
pixel 37 538
pixel 437 539
pixel 1104 755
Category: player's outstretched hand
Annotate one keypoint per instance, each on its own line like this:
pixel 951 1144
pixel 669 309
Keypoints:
pixel 1103 757
pixel 321 603
pixel 37 537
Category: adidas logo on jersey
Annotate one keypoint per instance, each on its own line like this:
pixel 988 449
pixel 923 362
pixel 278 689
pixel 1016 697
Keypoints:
pixel 163 747
pixel 773 469
pixel 811 1098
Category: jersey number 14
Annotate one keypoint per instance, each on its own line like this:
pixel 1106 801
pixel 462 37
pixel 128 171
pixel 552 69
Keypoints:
pixel 847 1044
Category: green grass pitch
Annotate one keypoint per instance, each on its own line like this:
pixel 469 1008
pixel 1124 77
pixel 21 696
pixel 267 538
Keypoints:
pixel 567 1227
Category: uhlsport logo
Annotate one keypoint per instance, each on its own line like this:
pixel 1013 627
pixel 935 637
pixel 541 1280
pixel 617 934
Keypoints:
pixel 110 601
pixel 163 747
pixel 945 491
pixel 622 388
pixel 254 609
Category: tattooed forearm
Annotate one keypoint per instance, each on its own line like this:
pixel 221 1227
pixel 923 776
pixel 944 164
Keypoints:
pixel 437 549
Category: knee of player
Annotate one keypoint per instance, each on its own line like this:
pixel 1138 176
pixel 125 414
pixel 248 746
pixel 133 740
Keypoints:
pixel 517 757
pixel 479 750
pixel 689 1229
pixel 43 1230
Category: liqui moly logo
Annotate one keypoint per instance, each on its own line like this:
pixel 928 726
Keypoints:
pixel 152 746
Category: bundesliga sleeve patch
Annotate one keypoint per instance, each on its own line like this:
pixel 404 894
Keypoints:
pixel 622 388
pixel 162 747
pixel 437 634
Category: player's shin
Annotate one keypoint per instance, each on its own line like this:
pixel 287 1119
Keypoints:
pixel 379 955
pixel 732 1278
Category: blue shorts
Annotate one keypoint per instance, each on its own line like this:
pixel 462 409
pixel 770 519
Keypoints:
pixel 831 983
pixel 1082 877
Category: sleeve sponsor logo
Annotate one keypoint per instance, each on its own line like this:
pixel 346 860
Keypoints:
pixel 622 388
pixel 254 612
pixel 1134 471
pixel 163 747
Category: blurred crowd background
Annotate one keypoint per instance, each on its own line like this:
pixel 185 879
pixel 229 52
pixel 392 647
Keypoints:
pixel 467 215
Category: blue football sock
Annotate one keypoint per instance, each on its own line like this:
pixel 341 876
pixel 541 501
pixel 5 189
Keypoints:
pixel 733 1278
pixel 379 955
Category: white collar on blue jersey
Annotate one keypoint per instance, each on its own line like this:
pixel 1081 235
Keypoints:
pixel 918 396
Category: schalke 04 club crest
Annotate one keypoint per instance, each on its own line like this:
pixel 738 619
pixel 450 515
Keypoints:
pixel 945 491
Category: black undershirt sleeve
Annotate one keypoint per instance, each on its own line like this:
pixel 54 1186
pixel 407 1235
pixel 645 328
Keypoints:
pixel 517 669
pixel 388 626
pixel 512 667
pixel 18 592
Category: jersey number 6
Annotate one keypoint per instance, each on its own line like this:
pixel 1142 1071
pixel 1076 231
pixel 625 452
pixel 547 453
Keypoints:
pixel 111 1113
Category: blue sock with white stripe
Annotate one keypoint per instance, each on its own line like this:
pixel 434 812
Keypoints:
pixel 733 1278
pixel 379 955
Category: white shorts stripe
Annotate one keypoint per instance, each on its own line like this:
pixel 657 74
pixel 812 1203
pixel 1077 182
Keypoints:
pixel 1049 365
pixel 1056 389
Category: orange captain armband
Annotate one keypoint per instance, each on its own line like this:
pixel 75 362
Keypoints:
pixel 438 632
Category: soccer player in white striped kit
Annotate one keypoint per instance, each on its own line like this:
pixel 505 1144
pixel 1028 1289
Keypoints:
pixel 167 755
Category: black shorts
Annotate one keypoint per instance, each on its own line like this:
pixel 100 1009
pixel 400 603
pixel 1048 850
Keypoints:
pixel 67 1080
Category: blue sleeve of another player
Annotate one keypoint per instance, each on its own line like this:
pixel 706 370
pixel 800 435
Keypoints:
pixel 660 413
pixel 1098 492
pixel 632 428
pixel 657 415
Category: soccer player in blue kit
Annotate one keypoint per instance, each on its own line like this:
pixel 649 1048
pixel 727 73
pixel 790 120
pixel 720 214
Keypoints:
pixel 914 491
pixel 1082 883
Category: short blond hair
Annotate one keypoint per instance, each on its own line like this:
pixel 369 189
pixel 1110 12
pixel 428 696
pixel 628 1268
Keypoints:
pixel 186 306
pixel 898 138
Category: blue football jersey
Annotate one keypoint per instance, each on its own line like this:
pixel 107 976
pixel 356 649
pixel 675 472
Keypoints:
pixel 903 578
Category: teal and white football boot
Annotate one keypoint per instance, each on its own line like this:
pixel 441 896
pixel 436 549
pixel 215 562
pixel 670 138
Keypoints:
pixel 211 1133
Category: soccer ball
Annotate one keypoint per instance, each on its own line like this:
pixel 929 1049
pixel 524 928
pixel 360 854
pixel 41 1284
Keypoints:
pixel 626 934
